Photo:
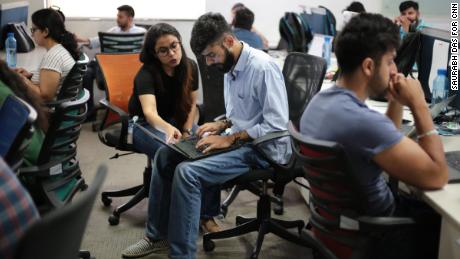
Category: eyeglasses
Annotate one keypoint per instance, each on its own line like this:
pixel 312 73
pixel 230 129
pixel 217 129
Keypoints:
pixel 164 51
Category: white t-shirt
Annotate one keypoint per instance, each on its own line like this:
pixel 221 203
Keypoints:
pixel 58 59
pixel 94 42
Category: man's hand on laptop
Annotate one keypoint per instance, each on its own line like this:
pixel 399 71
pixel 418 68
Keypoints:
pixel 213 128
pixel 173 135
pixel 212 142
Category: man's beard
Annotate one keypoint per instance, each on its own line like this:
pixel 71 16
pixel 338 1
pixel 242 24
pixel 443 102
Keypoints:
pixel 376 88
pixel 228 63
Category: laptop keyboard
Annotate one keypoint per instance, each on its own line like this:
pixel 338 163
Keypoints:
pixel 453 160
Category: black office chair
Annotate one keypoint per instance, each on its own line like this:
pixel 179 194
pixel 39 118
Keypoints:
pixel 303 74
pixel 212 80
pixel 17 118
pixel 303 77
pixel 59 234
pixel 121 42
pixel 335 200
pixel 56 177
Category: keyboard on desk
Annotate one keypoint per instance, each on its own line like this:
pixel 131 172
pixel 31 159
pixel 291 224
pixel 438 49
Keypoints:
pixel 453 161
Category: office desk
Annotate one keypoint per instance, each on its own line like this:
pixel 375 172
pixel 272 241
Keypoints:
pixel 30 60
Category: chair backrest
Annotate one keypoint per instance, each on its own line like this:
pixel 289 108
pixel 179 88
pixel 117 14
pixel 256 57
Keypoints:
pixel 334 195
pixel 294 31
pixel 16 118
pixel 72 84
pixel 121 42
pixel 318 21
pixel 119 71
pixel 64 129
pixel 303 76
pixel 212 81
pixel 331 22
pixel 59 234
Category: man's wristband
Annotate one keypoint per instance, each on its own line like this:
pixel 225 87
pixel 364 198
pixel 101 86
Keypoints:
pixel 426 134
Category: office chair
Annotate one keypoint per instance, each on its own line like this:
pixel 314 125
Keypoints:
pixel 56 177
pixel 335 200
pixel 144 25
pixel 119 70
pixel 120 42
pixel 59 234
pixel 212 81
pixel 303 76
pixel 17 118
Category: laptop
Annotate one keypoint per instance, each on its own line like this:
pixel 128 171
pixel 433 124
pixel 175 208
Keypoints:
pixel 186 147
pixel 435 110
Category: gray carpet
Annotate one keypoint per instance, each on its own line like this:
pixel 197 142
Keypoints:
pixel 106 242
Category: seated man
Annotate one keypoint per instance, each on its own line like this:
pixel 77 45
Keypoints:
pixel 409 20
pixel 242 24
pixel 17 209
pixel 125 25
pixel 256 104
pixel 365 51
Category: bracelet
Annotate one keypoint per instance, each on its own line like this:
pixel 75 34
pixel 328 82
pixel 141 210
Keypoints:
pixel 426 134
pixel 188 131
pixel 227 123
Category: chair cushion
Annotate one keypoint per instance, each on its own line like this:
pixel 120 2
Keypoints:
pixel 112 135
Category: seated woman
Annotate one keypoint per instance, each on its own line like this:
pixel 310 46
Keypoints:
pixel 49 31
pixel 12 84
pixel 164 98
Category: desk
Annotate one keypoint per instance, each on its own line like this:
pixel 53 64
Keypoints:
pixel 30 60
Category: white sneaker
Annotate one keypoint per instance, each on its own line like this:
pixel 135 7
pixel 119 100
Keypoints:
pixel 144 247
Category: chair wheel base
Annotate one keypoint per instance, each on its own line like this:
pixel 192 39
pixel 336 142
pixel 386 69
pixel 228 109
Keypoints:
pixel 208 245
pixel 114 220
pixel 106 200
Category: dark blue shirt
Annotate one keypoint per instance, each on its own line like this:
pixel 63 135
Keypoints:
pixel 338 115
pixel 249 37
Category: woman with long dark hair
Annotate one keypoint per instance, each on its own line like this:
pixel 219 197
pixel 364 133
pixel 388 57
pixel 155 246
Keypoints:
pixel 49 31
pixel 164 99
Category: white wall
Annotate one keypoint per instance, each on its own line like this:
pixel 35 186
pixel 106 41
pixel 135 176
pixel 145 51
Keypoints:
pixel 268 12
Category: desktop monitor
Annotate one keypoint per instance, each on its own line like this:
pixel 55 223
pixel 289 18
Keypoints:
pixel 15 12
pixel 434 54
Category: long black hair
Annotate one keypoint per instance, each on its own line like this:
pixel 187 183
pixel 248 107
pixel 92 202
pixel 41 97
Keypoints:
pixel 183 71
pixel 50 19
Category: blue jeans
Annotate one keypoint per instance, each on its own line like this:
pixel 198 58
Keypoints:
pixel 145 144
pixel 176 190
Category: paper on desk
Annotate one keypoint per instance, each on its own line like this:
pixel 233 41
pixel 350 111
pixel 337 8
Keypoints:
pixel 439 60
pixel 381 107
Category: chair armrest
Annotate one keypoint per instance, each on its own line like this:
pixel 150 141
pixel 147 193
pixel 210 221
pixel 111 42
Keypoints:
pixel 270 136
pixel 256 143
pixel 45 170
pixel 220 117
pixel 383 223
pixel 124 118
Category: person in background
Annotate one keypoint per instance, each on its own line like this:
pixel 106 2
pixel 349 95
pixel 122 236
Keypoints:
pixel 17 209
pixel 356 7
pixel 365 50
pixel 125 25
pixel 12 84
pixel 242 24
pixel 253 29
pixel 48 31
pixel 409 20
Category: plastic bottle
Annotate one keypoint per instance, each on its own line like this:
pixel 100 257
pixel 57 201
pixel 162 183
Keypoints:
pixel 440 91
pixel 10 48
pixel 327 50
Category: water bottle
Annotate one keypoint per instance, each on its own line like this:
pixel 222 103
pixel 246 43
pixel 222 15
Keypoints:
pixel 440 91
pixel 10 48
pixel 327 50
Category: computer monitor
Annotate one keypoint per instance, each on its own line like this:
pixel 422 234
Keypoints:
pixel 434 54
pixel 15 12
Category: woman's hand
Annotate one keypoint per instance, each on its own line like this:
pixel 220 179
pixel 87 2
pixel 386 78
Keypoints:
pixel 23 72
pixel 173 135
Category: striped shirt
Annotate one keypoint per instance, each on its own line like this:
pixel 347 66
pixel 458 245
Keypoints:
pixel 17 211
pixel 57 59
